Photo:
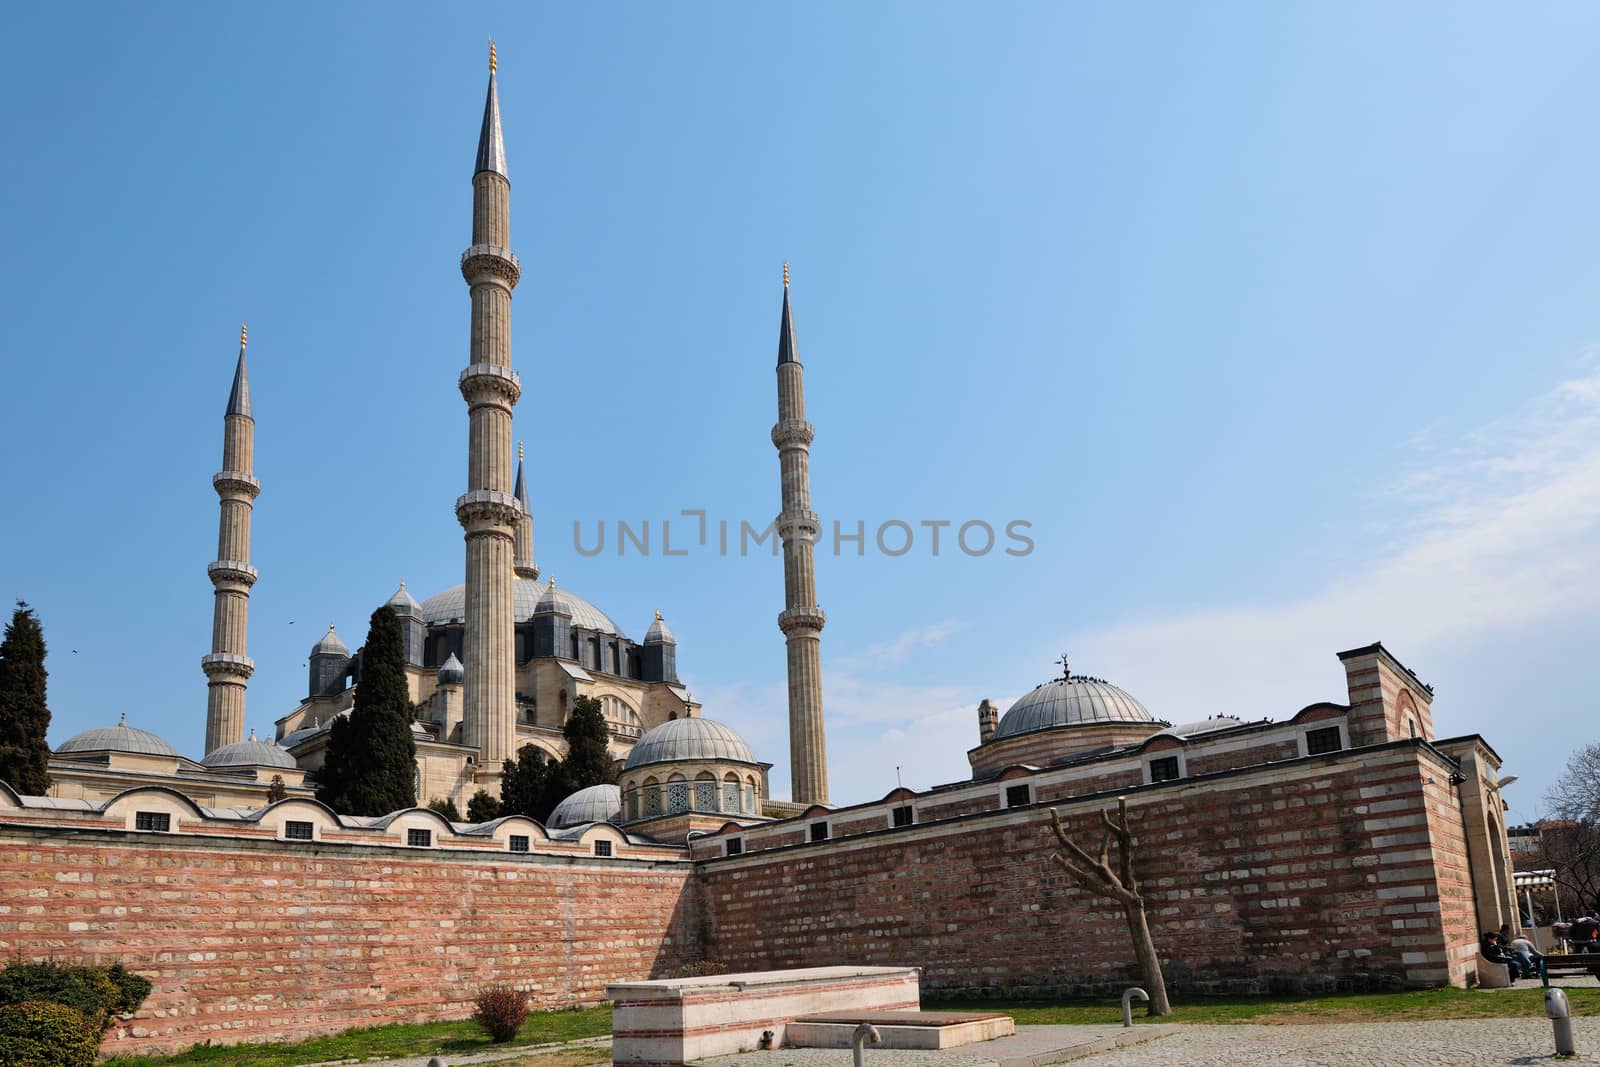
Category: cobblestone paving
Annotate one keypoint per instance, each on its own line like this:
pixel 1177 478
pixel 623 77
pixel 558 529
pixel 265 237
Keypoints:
pixel 1455 1043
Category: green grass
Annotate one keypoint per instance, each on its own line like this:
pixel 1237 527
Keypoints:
pixel 1415 1005
pixel 428 1039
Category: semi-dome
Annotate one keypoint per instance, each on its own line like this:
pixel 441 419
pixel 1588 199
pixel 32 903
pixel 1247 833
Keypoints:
pixel 118 738
pixel 450 606
pixel 330 645
pixel 1073 701
pixel 451 672
pixel 679 740
pixel 598 803
pixel 250 752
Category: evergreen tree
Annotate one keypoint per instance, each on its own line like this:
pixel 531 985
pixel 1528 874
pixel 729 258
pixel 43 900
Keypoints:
pixel 371 763
pixel 587 762
pixel 529 785
pixel 483 807
pixel 24 717
pixel 446 807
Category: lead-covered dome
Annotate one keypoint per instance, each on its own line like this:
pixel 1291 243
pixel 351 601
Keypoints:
pixel 680 740
pixel 450 606
pixel 598 803
pixel 250 752
pixel 1073 701
pixel 118 738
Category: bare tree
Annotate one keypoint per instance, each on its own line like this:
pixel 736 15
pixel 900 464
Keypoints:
pixel 1569 841
pixel 1095 874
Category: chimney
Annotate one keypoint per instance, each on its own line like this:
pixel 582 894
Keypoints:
pixel 988 721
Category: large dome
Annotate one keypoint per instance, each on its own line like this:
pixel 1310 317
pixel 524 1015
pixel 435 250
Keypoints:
pixel 250 753
pixel 451 606
pixel 118 738
pixel 678 740
pixel 598 803
pixel 1075 701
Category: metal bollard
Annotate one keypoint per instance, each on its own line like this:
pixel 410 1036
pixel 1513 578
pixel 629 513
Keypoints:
pixel 865 1032
pixel 1560 1013
pixel 436 1062
pixel 1127 995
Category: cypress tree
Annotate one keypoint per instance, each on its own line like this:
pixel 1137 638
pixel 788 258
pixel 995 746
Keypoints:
pixel 371 763
pixel 587 762
pixel 446 807
pixel 24 717
pixel 529 784
pixel 483 807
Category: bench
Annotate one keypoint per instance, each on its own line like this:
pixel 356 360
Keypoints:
pixel 1573 965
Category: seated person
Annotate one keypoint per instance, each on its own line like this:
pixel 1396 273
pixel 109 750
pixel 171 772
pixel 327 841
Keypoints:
pixel 1523 949
pixel 1489 945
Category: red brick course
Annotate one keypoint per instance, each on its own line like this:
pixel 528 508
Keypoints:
pixel 268 941
pixel 1260 880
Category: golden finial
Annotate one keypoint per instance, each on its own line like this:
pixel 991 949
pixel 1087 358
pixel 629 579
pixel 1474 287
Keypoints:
pixel 519 451
pixel 244 334
pixel 402 585
pixel 658 615
pixel 330 626
pixel 491 56
pixel 786 274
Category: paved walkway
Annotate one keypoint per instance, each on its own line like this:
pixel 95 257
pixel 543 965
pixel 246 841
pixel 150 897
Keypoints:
pixel 1453 1043
pixel 601 1045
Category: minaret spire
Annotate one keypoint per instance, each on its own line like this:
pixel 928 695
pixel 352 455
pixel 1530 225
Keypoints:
pixel 491 142
pixel 227 668
pixel 525 566
pixel 489 511
pixel 801 620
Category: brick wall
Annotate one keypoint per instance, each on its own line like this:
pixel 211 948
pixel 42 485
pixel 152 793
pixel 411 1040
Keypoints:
pixel 1275 878
pixel 270 941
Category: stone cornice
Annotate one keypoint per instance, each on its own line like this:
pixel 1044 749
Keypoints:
pixel 791 433
pixel 801 620
pixel 231 570
pixel 236 482
pixel 490 264
pixel 487 508
pixel 227 665
pixel 487 382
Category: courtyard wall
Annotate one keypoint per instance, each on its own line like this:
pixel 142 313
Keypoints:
pixel 262 940
pixel 1313 874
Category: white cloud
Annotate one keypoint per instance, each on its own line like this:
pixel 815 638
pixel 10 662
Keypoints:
pixel 1496 534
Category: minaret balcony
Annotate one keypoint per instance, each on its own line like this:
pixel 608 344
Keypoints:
pixel 237 483
pixel 789 433
pixel 803 618
pixel 488 507
pixel 485 382
pixel 231 570
pixel 491 263
pixel 797 524
pixel 227 665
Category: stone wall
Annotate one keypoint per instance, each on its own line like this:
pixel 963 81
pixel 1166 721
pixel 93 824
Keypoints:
pixel 270 941
pixel 1314 875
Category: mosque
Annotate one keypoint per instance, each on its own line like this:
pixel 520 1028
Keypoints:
pixel 1344 845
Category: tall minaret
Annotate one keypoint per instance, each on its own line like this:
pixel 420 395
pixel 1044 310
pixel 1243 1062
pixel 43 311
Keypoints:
pixel 227 668
pixel 801 620
pixel 525 566
pixel 487 510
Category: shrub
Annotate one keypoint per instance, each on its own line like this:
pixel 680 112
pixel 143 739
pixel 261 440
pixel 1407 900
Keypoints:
pixel 36 1033
pixel 90 990
pixel 132 989
pixel 501 1011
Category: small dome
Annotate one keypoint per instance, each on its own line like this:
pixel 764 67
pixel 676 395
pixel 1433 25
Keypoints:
pixel 1204 726
pixel 250 753
pixel 1074 701
pixel 118 738
pixel 451 672
pixel 403 603
pixel 658 633
pixel 330 645
pixel 598 803
pixel 689 739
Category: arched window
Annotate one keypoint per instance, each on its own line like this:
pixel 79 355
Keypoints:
pixel 677 795
pixel 730 792
pixel 652 797
pixel 750 795
pixel 705 792
pixel 620 717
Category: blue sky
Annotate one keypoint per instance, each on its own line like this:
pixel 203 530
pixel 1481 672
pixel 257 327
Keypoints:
pixel 1278 324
